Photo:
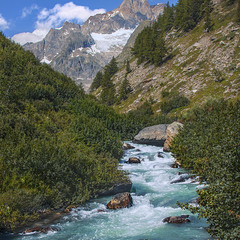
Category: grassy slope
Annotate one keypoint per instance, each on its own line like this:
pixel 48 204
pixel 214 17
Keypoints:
pixel 199 58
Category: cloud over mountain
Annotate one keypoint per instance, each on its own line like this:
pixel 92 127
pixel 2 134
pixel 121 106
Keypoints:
pixel 52 18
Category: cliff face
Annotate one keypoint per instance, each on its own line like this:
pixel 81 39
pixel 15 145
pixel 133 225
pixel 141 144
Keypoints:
pixel 81 51
pixel 203 65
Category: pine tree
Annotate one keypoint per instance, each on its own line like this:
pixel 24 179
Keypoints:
pixel 108 93
pixel 97 81
pixel 207 8
pixel 112 67
pixel 167 18
pixel 125 89
pixel 238 12
pixel 128 68
pixel 160 51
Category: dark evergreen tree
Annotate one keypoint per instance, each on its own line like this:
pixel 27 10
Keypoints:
pixel 112 67
pixel 160 50
pixel 167 18
pixel 128 68
pixel 206 12
pixel 238 12
pixel 97 81
pixel 125 89
pixel 108 93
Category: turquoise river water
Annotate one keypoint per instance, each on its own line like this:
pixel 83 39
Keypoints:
pixel 154 198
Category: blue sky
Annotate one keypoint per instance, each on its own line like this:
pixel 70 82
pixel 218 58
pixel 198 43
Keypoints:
pixel 18 16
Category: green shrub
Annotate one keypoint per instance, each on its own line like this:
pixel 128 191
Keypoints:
pixel 177 101
pixel 209 145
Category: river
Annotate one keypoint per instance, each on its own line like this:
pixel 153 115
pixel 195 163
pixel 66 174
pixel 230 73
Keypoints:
pixel 154 198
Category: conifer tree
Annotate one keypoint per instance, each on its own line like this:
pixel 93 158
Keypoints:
pixel 238 12
pixel 168 18
pixel 97 81
pixel 112 67
pixel 125 89
pixel 108 93
pixel 160 51
pixel 207 8
pixel 128 68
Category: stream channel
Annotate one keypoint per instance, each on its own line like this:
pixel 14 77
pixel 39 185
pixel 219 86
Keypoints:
pixel 154 198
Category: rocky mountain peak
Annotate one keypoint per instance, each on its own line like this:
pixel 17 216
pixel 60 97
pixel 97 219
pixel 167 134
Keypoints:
pixel 129 7
pixel 69 25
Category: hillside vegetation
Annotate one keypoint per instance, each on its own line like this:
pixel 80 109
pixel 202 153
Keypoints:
pixel 177 56
pixel 58 146
pixel 209 146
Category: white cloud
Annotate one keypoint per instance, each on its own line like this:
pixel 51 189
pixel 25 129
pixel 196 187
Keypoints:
pixel 28 10
pixel 67 12
pixel 52 18
pixel 3 23
pixel 35 36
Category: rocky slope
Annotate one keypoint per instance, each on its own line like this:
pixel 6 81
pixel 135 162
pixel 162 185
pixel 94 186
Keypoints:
pixel 81 51
pixel 203 65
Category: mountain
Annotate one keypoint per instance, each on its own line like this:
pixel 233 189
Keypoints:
pixel 199 65
pixel 127 16
pixel 81 51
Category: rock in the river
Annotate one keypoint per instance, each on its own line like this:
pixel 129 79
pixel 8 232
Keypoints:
pixel 154 135
pixel 160 155
pixel 121 200
pixel 176 165
pixel 133 160
pixel 127 146
pixel 182 178
pixel 177 219
pixel 40 229
pixel 172 131
pixel 69 208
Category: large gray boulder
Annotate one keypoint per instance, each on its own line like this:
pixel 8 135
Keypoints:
pixel 154 135
pixel 172 131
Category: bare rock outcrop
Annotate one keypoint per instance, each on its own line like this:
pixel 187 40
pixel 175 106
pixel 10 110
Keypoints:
pixel 154 135
pixel 172 131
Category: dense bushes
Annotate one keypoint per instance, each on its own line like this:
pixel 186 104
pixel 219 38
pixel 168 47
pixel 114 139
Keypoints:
pixel 57 145
pixel 209 145
pixel 170 103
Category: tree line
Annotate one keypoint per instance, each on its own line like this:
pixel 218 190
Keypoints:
pixel 150 46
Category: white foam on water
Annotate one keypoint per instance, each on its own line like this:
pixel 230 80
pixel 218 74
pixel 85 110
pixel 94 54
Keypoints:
pixel 154 198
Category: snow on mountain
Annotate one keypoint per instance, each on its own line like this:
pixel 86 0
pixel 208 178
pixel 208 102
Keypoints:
pixel 104 42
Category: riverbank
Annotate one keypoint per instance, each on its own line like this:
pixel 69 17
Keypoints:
pixel 154 198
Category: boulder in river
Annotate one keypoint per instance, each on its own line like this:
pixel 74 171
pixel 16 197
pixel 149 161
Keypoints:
pixel 172 131
pixel 133 160
pixel 160 155
pixel 177 219
pixel 40 229
pixel 154 135
pixel 121 200
pixel 127 146
pixel 182 178
pixel 176 165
